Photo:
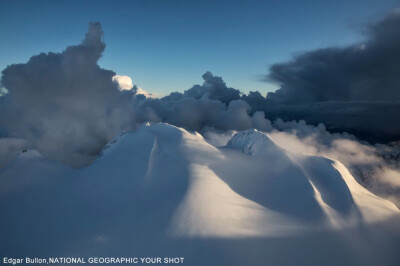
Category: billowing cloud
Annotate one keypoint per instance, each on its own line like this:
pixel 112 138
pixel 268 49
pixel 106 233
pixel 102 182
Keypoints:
pixel 210 105
pixel 124 82
pixel 64 104
pixel 213 88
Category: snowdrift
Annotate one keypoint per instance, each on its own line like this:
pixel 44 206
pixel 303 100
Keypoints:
pixel 163 191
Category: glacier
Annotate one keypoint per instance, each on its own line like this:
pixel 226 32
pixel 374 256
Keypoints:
pixel 164 191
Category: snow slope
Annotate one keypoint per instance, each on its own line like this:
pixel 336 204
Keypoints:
pixel 162 191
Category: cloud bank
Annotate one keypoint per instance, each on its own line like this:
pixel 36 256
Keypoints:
pixel 354 89
pixel 369 71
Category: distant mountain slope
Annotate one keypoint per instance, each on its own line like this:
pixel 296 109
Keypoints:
pixel 162 191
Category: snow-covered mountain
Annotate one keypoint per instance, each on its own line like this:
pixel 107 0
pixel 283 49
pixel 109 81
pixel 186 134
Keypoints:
pixel 164 192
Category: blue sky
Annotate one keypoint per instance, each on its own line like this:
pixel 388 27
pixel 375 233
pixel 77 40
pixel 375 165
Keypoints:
pixel 166 45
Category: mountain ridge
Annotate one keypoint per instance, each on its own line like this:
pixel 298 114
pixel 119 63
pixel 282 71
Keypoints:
pixel 164 184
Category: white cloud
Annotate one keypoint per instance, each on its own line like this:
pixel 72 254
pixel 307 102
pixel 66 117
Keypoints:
pixel 139 90
pixel 124 82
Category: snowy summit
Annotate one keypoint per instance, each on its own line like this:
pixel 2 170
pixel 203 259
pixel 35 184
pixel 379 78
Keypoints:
pixel 163 190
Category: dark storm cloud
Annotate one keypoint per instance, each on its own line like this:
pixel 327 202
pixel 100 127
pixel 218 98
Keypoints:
pixel 354 89
pixel 369 71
